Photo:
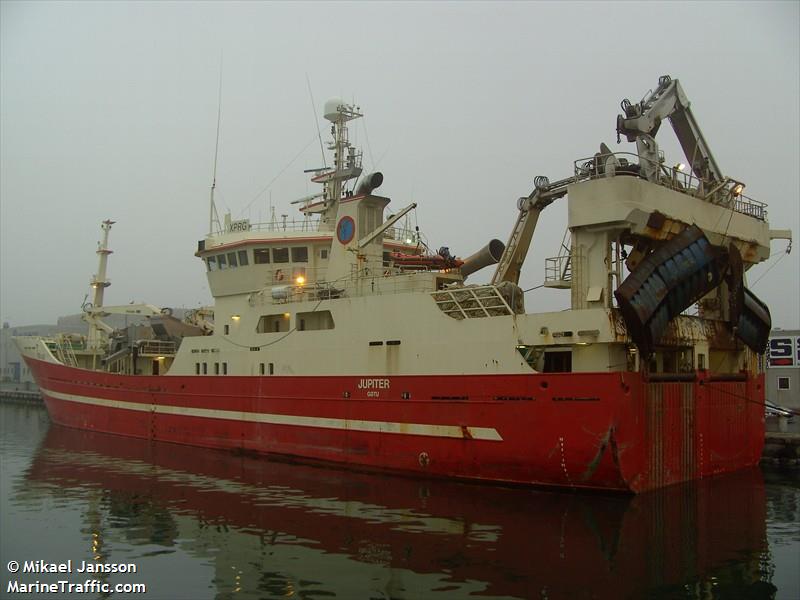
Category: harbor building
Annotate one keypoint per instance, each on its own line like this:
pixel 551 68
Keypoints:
pixel 783 368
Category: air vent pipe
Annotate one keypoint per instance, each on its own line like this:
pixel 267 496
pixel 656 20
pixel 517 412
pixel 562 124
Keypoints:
pixel 488 255
pixel 371 181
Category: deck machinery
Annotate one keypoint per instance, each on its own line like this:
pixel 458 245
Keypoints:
pixel 663 248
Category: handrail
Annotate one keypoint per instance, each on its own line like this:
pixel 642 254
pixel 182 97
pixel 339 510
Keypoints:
pixel 65 350
pixel 388 280
pixel 400 234
pixel 726 193
pixel 156 347
pixel 558 268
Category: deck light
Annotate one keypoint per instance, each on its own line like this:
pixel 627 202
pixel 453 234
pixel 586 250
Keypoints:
pixel 235 317
pixel 680 167
pixel 300 280
pixel 737 189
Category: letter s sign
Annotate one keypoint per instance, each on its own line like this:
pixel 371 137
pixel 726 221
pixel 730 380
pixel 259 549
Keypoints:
pixel 781 352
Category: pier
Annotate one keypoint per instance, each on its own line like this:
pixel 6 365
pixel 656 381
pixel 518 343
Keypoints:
pixel 782 440
pixel 20 396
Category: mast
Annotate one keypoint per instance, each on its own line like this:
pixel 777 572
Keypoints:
pixel 340 148
pixel 346 159
pixel 99 282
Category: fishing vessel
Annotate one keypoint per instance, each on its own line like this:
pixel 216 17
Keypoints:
pixel 343 338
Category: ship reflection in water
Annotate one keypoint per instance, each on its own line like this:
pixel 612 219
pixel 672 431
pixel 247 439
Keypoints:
pixel 203 523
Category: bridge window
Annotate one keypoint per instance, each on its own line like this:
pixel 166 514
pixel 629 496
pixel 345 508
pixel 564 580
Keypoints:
pixel 261 256
pixel 314 321
pixel 212 263
pixel 280 255
pixel 273 323
pixel 300 254
pixel 222 262
pixel 242 258
pixel 232 259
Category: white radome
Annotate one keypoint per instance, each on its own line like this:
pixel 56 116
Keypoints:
pixel 331 111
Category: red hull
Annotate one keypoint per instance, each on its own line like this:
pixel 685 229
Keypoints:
pixel 583 430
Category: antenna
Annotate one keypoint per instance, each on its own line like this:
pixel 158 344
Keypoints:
pixel 213 217
pixel 316 121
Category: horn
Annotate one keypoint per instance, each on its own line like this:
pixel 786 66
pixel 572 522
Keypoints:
pixel 371 181
pixel 488 255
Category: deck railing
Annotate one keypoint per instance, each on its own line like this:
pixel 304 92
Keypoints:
pixel 156 348
pixel 400 234
pixel 725 193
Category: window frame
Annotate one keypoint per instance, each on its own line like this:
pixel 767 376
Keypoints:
pixel 299 254
pixel 259 254
pixel 278 255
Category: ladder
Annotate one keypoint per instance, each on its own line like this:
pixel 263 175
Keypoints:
pixel 65 352
pixel 510 264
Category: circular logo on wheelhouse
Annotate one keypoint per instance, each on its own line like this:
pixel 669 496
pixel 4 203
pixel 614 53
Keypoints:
pixel 345 230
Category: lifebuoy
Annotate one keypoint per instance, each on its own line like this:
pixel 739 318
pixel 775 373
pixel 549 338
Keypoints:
pixel 279 276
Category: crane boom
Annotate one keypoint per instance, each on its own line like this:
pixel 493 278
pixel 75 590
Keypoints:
pixel 641 121
pixel 510 264
pixel 94 316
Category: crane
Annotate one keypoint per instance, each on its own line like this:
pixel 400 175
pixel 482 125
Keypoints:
pixel 99 330
pixel 641 122
pixel 530 207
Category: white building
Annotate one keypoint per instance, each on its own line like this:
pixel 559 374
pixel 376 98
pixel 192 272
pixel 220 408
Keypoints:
pixel 783 368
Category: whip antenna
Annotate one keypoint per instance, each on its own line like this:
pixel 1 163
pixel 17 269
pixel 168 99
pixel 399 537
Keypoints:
pixel 213 217
pixel 316 120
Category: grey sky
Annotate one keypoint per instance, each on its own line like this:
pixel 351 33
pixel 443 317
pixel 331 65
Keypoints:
pixel 108 110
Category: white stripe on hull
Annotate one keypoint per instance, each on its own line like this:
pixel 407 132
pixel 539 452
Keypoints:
pixel 446 431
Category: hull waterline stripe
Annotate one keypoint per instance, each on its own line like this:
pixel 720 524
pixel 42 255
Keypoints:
pixel 447 431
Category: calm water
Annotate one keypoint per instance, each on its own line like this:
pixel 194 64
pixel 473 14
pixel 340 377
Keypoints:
pixel 207 524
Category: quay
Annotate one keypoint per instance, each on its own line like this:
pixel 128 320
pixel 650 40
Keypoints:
pixel 781 446
pixel 782 440
pixel 22 396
